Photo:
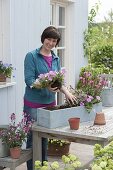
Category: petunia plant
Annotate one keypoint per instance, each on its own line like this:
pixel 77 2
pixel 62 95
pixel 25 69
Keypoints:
pixel 50 79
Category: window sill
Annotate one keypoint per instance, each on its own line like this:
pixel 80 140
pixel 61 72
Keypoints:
pixel 7 85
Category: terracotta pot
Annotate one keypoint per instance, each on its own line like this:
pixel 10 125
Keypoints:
pixel 57 150
pixel 99 119
pixel 15 152
pixel 74 123
pixel 2 79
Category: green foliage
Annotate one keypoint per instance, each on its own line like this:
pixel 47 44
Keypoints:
pixel 70 162
pixel 103 55
pixel 58 142
pixel 90 34
pixel 98 40
pixel 103 157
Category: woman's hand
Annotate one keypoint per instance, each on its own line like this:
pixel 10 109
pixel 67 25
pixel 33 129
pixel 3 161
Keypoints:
pixel 69 97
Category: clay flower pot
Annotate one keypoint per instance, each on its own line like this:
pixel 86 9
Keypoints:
pixel 74 123
pixel 99 119
pixel 2 79
pixel 15 152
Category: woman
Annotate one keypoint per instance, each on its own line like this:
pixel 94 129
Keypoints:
pixel 37 62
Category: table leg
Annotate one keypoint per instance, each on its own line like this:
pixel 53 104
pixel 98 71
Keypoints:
pixel 37 147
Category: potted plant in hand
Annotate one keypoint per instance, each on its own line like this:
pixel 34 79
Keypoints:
pixel 16 134
pixel 53 79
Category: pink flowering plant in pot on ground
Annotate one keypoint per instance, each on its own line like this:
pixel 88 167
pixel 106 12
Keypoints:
pixel 16 134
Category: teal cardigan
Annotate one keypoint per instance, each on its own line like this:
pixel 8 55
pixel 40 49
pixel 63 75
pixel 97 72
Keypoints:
pixel 34 65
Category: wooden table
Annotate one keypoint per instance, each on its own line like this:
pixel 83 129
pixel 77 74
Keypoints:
pixel 87 134
pixel 13 163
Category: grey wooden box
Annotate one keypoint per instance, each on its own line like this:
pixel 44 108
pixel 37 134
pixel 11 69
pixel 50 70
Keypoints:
pixel 57 118
pixel 4 151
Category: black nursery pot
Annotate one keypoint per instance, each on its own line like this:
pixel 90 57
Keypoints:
pixel 57 84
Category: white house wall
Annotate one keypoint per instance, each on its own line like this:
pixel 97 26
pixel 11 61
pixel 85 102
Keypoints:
pixel 77 22
pixel 21 24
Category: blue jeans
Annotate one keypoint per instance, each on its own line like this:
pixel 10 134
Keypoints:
pixel 32 112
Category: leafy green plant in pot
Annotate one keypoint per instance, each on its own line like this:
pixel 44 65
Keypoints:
pixel 57 147
pixel 6 69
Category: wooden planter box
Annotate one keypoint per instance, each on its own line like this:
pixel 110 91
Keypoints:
pixel 58 118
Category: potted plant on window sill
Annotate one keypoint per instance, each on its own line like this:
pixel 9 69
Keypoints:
pixel 5 72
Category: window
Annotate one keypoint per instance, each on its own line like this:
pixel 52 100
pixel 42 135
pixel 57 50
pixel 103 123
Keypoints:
pixel 58 19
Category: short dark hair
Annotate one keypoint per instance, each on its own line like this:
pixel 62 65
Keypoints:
pixel 51 32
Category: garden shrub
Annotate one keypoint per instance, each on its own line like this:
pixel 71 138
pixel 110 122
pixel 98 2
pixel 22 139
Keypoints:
pixel 103 56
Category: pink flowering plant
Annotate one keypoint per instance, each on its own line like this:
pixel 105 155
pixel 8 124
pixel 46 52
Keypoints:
pixel 88 89
pixel 16 134
pixel 52 78
pixel 91 84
